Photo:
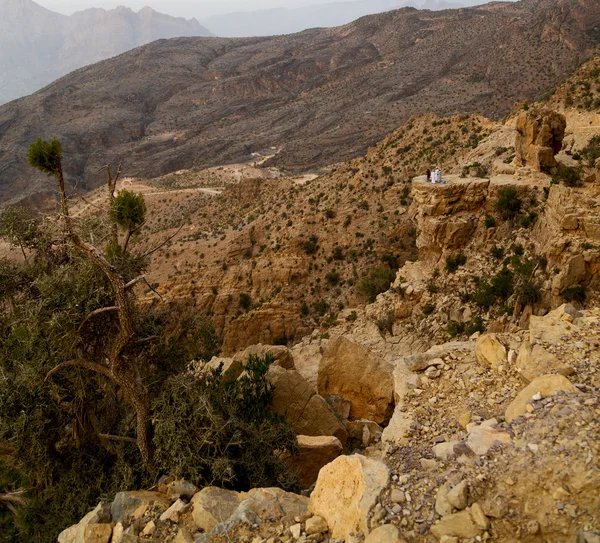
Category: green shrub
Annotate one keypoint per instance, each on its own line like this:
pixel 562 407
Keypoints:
pixel 508 203
pixel 338 253
pixel 475 325
pixel 455 328
pixel 483 295
pixel 304 309
pixel 529 293
pixel 311 245
pixel 385 324
pixel 576 294
pixel 333 278
pixel 567 175
pixel 320 308
pixel 490 222
pixel 502 284
pixel 454 262
pixel 352 316
pixel 217 430
pixel 432 287
pixel 497 252
pixel 376 281
pixel 428 309
pixel 592 151
pixel 245 301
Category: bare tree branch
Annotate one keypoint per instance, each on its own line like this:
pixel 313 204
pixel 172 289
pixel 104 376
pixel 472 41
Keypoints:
pixel 85 364
pixel 153 289
pixel 148 253
pixel 134 282
pixel 98 312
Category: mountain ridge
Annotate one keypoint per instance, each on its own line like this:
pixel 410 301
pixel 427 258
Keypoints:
pixel 38 45
pixel 319 96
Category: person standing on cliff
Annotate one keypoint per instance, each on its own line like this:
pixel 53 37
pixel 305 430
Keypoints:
pixel 428 175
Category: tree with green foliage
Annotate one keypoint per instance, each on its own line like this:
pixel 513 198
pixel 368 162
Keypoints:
pixel 90 377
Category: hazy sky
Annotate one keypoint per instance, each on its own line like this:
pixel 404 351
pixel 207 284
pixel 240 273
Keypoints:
pixel 182 8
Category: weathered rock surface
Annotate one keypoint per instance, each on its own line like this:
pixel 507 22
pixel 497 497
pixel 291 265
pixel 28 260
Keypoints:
pixel 534 361
pixel 348 370
pixel 546 385
pixel 346 489
pixel 540 136
pixel 314 453
pixel 307 412
pixel 489 351
pixel 213 505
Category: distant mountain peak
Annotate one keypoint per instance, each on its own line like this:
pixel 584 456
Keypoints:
pixel 38 46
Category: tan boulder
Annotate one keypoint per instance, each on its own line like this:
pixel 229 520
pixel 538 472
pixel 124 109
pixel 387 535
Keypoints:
pixel 213 505
pixel 281 354
pixel 546 385
pixel 348 370
pixel 483 437
pixel 346 490
pixel 95 533
pixel 92 528
pixel 364 431
pixel 540 133
pixel 125 503
pixel 314 453
pixel 535 361
pixel 307 412
pixel 466 524
pixel 489 351
pixel 387 533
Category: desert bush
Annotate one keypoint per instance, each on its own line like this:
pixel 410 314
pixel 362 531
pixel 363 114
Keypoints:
pixel 592 151
pixel 454 262
pixel 574 294
pixel 216 430
pixel 352 316
pixel 428 309
pixel 375 281
pixel 567 175
pixel 245 301
pixel 508 203
pixel 497 252
pixel 385 324
pixel 490 222
pixel 455 328
pixel 333 278
pixel 310 246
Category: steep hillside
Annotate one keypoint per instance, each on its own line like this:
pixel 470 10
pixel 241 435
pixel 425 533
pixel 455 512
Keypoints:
pixel 38 46
pixel 320 96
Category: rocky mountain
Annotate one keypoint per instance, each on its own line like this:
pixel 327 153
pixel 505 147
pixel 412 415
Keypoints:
pixel 284 20
pixel 319 96
pixel 38 46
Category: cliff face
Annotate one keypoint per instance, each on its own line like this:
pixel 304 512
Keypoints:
pixel 38 46
pixel 320 96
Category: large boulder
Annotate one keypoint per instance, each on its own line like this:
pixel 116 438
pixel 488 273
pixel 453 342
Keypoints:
pixel 213 505
pixel 546 385
pixel 346 490
pixel 314 453
pixel 535 361
pixel 95 527
pixel 489 351
pixel 540 133
pixel 349 371
pixel 125 503
pixel 307 412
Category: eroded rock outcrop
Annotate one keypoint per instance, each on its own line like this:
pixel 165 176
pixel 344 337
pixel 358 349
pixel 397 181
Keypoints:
pixel 348 370
pixel 540 134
